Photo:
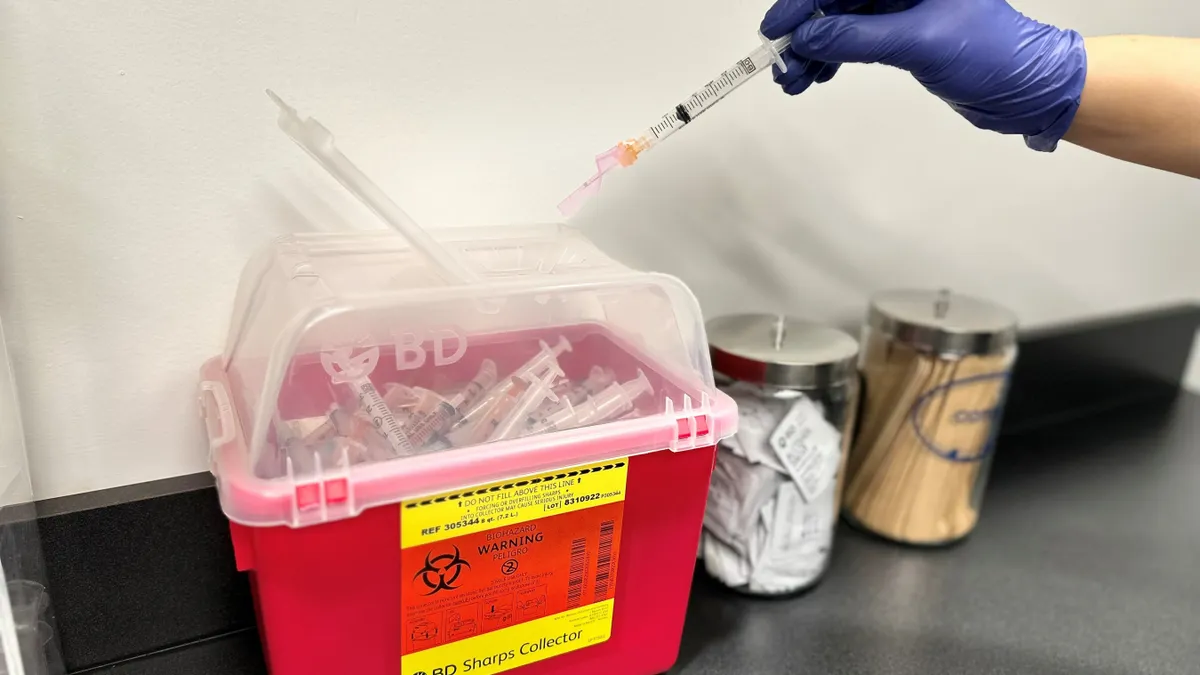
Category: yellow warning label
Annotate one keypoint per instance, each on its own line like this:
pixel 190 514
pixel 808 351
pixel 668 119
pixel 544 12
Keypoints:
pixel 515 646
pixel 486 507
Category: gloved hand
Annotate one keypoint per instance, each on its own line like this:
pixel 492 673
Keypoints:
pixel 997 68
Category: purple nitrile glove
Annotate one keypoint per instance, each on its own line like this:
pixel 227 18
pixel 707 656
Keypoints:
pixel 996 67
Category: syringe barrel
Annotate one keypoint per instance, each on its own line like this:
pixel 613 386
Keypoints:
pixel 555 420
pixel 758 60
pixel 615 400
pixel 539 390
pixel 371 401
pixel 431 423
pixel 596 381
pixel 485 379
pixel 608 403
pixel 546 355
pixel 493 413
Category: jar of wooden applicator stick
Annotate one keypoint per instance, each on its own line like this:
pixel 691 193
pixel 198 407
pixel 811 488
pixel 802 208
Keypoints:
pixel 935 369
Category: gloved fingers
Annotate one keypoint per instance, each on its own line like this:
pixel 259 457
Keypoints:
pixel 890 6
pixel 807 76
pixel 827 73
pixel 795 68
pixel 854 39
pixel 786 15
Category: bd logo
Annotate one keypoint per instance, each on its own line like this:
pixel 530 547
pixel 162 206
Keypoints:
pixel 444 670
pixel 342 367
pixel 441 572
pixel 447 345
pixel 956 420
pixel 413 349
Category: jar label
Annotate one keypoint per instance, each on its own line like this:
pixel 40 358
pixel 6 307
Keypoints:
pixel 506 574
pixel 957 420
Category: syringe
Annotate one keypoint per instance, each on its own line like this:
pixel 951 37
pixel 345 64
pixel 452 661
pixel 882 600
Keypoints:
pixel 440 419
pixel 539 389
pixel 617 399
pixel 479 411
pixel 575 392
pixel 626 152
pixel 353 372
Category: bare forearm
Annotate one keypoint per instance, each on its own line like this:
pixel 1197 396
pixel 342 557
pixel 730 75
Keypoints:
pixel 1141 102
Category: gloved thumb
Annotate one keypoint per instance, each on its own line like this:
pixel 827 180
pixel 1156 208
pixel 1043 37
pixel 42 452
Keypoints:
pixel 851 38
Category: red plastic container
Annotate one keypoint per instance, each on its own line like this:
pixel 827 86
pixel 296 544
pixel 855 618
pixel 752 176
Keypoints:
pixel 329 596
pixel 605 517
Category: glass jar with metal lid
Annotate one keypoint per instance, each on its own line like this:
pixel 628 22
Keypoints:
pixel 776 490
pixel 935 367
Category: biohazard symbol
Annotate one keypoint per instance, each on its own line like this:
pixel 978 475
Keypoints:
pixel 441 572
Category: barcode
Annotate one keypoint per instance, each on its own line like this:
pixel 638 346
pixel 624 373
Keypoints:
pixel 575 578
pixel 603 562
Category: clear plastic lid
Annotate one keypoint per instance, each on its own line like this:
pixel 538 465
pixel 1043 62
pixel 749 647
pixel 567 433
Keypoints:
pixel 368 368
pixel 27 636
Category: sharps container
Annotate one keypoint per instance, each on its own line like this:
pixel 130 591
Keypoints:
pixel 936 368
pixel 477 451
pixel 776 491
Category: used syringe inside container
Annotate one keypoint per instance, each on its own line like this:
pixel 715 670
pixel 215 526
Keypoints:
pixel 537 397
pixel 573 392
pixel 342 369
pixel 540 389
pixel 447 412
pixel 399 399
pixel 617 399
pixel 468 427
pixel 522 392
pixel 577 392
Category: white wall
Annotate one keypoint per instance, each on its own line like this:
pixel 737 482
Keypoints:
pixel 141 167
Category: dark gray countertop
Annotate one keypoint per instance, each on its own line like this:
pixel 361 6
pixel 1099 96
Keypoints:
pixel 1086 560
